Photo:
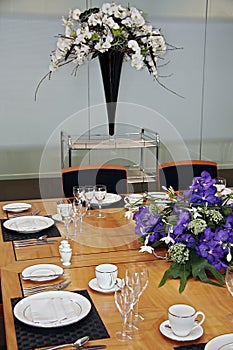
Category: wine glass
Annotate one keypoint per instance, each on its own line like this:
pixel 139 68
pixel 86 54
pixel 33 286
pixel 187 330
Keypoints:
pixel 144 280
pixel 132 281
pixel 64 209
pixel 229 284
pixel 100 193
pixel 78 192
pixel 123 299
pixel 89 194
pixel 79 210
pixel 220 183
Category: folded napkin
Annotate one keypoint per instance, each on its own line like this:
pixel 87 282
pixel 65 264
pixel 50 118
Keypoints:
pixel 53 310
pixel 200 346
pixel 26 225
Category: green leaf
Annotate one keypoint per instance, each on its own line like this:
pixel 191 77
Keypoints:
pixel 199 268
pixel 182 271
pixel 196 267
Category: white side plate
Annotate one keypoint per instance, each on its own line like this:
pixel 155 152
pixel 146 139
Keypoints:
pixel 42 269
pixel 17 207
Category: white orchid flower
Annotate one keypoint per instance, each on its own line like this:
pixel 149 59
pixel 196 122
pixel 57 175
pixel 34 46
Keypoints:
pixel 132 44
pixel 129 214
pixel 75 14
pixel 167 239
pixel 137 17
pixel 106 8
pixel 146 248
pixel 63 44
pixel 94 20
pixel 137 61
pixel 111 23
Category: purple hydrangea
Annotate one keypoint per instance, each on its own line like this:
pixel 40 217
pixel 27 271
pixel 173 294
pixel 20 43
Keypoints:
pixel 173 223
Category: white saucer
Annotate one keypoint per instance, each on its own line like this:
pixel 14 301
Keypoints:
pixel 94 285
pixel 195 334
pixel 57 217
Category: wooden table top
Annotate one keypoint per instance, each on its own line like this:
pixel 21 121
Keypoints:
pixel 120 247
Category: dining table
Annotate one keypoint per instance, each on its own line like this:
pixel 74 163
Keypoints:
pixel 111 239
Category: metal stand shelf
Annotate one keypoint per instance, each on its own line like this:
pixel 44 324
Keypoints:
pixel 142 145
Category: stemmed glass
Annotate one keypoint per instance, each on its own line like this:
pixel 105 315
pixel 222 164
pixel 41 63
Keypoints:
pixel 220 183
pixel 78 192
pixel 79 210
pixel 100 194
pixel 229 284
pixel 133 283
pixel 144 280
pixel 123 299
pixel 89 194
pixel 64 209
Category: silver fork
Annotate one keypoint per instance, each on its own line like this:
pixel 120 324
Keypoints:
pixel 42 288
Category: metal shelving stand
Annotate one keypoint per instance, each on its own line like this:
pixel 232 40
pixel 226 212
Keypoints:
pixel 142 144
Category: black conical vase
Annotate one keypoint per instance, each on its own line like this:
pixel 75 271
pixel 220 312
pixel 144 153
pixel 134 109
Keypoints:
pixel 110 64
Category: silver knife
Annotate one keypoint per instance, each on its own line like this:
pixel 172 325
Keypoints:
pixel 43 276
pixel 92 347
pixel 25 244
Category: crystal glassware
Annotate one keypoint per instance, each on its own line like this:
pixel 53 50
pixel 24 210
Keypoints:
pixel 64 209
pixel 123 299
pixel 144 280
pixel 100 194
pixel 78 192
pixel 220 183
pixel 89 195
pixel 229 284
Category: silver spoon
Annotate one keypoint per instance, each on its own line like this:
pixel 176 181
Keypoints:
pixel 79 342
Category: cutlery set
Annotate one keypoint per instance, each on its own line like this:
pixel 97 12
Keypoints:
pixel 31 242
pixel 46 287
pixel 78 344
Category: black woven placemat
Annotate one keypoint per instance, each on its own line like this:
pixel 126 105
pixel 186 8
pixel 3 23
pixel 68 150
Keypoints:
pixel 9 235
pixel 200 346
pixel 29 337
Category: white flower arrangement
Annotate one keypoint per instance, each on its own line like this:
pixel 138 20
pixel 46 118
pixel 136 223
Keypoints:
pixel 110 27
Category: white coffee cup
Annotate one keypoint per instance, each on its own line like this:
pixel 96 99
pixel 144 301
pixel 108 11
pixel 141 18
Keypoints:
pixel 106 275
pixel 182 319
pixel 132 198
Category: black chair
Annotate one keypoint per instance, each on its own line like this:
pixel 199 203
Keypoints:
pixel 180 174
pixel 113 176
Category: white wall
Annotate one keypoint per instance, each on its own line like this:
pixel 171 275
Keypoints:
pixel 201 72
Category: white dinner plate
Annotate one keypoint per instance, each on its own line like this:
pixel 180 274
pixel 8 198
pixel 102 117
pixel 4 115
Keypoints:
pixel 17 207
pixel 216 343
pixel 109 199
pixel 195 334
pixel 94 285
pixel 42 269
pixel 28 224
pixel 73 307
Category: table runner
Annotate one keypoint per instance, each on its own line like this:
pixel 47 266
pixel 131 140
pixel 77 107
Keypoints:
pixel 9 235
pixel 29 337
pixel 200 346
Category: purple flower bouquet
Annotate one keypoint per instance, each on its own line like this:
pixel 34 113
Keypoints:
pixel 196 229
